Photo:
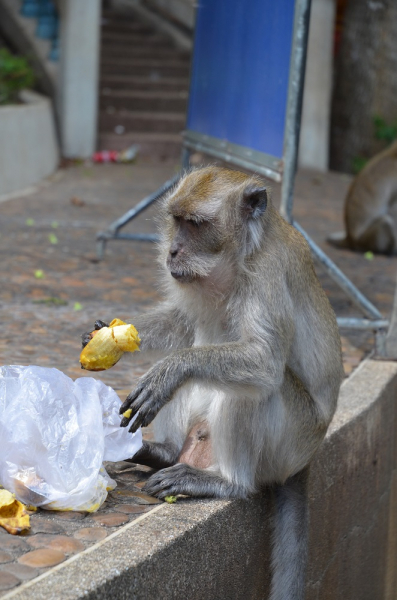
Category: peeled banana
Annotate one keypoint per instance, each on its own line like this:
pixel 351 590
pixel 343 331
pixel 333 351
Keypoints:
pixel 108 345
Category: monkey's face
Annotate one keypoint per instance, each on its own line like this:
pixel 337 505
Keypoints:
pixel 211 220
pixel 194 247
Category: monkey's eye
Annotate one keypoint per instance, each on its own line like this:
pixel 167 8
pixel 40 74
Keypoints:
pixel 193 223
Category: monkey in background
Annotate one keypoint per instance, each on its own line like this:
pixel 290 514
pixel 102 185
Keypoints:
pixel 255 362
pixel 371 207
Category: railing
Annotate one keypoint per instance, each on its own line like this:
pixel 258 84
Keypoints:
pixel 47 17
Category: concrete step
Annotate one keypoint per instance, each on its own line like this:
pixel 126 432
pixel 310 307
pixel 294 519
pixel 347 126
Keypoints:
pixel 145 100
pixel 130 39
pixel 139 61
pixel 163 122
pixel 144 82
pixel 125 82
pixel 142 67
pixel 155 145
pixel 125 27
pixel 117 16
pixel 112 52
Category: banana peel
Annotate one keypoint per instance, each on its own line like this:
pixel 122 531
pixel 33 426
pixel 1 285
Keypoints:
pixel 13 514
pixel 107 346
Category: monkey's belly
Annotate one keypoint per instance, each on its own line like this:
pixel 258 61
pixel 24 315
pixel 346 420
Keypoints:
pixel 197 450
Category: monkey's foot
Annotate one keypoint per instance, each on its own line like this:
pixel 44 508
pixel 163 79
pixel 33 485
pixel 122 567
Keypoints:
pixel 189 481
pixel 156 455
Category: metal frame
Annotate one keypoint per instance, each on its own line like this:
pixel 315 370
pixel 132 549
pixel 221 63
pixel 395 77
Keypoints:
pixel 275 169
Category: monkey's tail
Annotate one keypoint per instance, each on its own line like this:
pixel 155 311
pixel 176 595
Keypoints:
pixel 290 538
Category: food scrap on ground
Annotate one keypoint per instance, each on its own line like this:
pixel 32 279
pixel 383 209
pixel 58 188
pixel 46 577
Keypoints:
pixel 170 499
pixel 13 514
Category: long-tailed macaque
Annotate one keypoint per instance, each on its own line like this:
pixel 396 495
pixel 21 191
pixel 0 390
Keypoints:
pixel 254 367
pixel 371 207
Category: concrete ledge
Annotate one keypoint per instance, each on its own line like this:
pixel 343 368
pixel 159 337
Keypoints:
pixel 220 549
pixel 28 144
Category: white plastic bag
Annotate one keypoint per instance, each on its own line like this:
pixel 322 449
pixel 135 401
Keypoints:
pixel 55 434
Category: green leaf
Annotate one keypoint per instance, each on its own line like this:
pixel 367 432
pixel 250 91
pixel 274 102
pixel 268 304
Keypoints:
pixel 385 131
pixel 52 238
pixel 369 255
pixel 77 306
pixel 359 163
pixel 15 75
pixel 39 274
pixel 51 301
pixel 29 222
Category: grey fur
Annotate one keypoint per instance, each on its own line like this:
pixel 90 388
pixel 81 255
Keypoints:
pixel 255 351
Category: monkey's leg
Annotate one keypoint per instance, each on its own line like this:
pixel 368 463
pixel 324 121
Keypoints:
pixel 156 455
pixel 379 237
pixel 184 479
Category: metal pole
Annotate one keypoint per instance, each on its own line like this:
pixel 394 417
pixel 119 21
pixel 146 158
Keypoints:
pixel 362 324
pixel 340 278
pixel 112 231
pixel 294 107
pixel 391 339
pixel 185 159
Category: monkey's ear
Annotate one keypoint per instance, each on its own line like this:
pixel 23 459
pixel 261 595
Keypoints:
pixel 254 201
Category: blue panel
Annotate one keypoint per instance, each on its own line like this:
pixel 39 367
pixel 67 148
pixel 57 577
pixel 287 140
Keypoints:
pixel 240 72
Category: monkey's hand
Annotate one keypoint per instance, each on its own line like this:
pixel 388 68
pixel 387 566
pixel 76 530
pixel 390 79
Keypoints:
pixel 153 391
pixel 86 337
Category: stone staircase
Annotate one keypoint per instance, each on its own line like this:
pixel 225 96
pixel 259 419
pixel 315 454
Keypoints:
pixel 144 82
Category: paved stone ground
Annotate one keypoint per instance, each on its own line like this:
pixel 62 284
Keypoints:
pixel 53 231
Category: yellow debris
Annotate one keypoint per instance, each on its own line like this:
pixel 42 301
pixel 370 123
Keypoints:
pixel 6 498
pixel 170 499
pixel 127 413
pixel 13 514
pixel 108 345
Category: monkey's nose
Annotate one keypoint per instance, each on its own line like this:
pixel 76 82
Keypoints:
pixel 175 248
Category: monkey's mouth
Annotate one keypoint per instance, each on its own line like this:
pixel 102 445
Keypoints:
pixel 182 277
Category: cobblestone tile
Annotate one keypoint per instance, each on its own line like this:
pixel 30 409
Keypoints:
pixel 111 520
pixel 23 572
pixel 68 515
pixel 39 525
pixel 5 557
pixel 8 581
pixel 44 557
pixel 57 542
pixel 91 534
pixel 13 544
pixel 132 509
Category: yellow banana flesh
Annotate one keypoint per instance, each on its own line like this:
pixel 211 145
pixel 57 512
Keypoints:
pixel 108 345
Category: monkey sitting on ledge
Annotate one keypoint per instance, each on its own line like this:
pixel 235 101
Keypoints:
pixel 254 367
pixel 371 207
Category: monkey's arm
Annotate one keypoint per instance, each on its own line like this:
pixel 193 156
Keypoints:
pixel 254 364
pixel 164 328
